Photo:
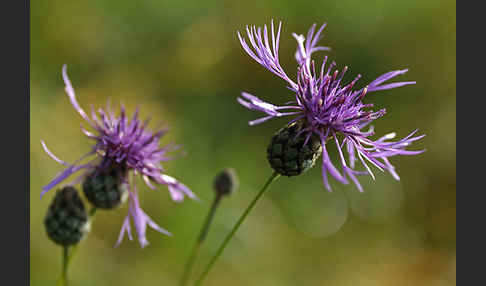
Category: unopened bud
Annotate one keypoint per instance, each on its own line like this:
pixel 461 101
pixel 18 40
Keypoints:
pixel 66 221
pixel 226 182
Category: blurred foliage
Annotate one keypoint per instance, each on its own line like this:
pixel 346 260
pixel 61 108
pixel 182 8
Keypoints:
pixel 181 62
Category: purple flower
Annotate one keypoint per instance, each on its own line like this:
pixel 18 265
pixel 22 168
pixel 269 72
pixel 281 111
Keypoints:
pixel 327 106
pixel 128 144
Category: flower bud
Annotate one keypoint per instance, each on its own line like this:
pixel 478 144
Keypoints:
pixel 226 182
pixel 287 153
pixel 106 188
pixel 66 221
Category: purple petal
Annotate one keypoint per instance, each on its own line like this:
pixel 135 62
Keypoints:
pixel 389 75
pixel 156 227
pixel 176 189
pixel 62 176
pixel 176 195
pixel 125 228
pixel 390 85
pixel 330 166
pixel 264 53
pixel 52 155
pixel 257 104
pixel 72 96
pixel 354 179
pixel 260 120
pixel 391 169
pixel 360 156
pixel 375 85
pixel 141 219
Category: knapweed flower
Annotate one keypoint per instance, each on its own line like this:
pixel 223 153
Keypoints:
pixel 128 146
pixel 327 108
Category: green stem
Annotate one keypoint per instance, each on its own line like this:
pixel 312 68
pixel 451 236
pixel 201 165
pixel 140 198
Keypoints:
pixel 273 177
pixel 68 255
pixel 204 231
pixel 92 212
pixel 64 264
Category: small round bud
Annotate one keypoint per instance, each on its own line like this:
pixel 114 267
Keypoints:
pixel 287 153
pixel 106 188
pixel 66 221
pixel 226 182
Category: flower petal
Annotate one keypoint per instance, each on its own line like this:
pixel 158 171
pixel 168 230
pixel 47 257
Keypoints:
pixel 52 155
pixel 72 96
pixel 125 228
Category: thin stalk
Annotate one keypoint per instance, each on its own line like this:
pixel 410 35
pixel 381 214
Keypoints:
pixel 68 255
pixel 65 252
pixel 272 178
pixel 92 212
pixel 197 247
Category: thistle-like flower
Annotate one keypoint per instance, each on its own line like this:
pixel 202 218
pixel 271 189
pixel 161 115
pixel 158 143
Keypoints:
pixel 326 108
pixel 129 147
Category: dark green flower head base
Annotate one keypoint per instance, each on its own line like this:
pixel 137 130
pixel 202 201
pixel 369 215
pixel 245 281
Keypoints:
pixel 66 221
pixel 287 153
pixel 106 188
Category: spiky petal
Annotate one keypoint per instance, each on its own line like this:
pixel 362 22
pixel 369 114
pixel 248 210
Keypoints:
pixel 330 108
pixel 128 143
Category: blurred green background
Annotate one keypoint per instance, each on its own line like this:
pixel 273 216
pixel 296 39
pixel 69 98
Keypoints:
pixel 181 62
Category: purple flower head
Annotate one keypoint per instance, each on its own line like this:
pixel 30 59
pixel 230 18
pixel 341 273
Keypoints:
pixel 128 144
pixel 327 106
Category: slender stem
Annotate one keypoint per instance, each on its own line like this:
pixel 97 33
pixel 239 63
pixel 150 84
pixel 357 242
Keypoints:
pixel 273 177
pixel 204 231
pixel 209 218
pixel 65 252
pixel 68 255
pixel 92 212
